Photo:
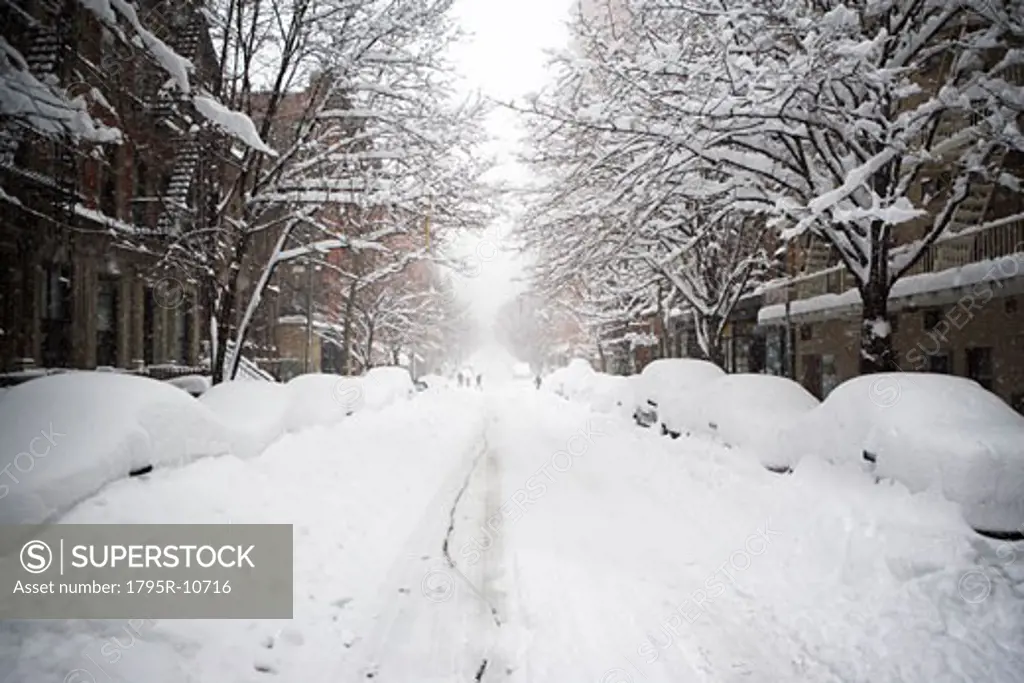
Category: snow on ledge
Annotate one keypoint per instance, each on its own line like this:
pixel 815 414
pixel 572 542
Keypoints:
pixel 994 270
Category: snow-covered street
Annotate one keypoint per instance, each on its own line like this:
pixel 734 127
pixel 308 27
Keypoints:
pixel 512 535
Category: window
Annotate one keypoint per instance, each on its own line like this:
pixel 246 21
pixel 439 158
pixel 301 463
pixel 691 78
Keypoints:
pixel 1010 305
pixel 55 316
pixel 106 321
pixel 930 318
pixel 108 192
pixel 979 366
pixel 139 194
pixel 148 326
pixel 806 332
pixel 183 330
pixel 941 363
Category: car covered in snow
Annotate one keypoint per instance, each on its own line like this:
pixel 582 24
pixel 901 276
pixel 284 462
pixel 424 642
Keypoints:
pixel 84 430
pixel 746 410
pixel 385 385
pixel 196 385
pixel 668 390
pixel 926 431
pixel 569 382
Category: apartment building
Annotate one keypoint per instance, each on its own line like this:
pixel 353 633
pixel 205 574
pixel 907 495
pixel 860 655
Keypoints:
pixel 958 311
pixel 80 226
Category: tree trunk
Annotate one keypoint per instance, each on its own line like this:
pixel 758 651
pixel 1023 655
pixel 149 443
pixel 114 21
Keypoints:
pixel 876 352
pixel 369 344
pixel 346 337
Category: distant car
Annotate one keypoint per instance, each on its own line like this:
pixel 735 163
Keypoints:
pixel 746 410
pixel 667 389
pixel 926 431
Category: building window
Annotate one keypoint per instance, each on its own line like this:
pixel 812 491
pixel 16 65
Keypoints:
pixel 1010 305
pixel 108 192
pixel 183 329
pixel 811 376
pixel 55 316
pixel 941 363
pixel 979 366
pixel 930 318
pixel 139 194
pixel 106 321
pixel 148 326
pixel 806 332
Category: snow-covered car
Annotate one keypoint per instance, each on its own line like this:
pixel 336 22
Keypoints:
pixel 668 390
pixel 572 380
pixel 522 371
pixel 746 410
pixel 611 394
pixel 258 411
pixel 926 431
pixel 69 435
pixel 321 400
pixel 384 385
pixel 196 385
pixel 434 381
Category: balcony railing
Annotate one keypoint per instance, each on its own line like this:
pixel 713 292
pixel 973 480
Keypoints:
pixel 954 250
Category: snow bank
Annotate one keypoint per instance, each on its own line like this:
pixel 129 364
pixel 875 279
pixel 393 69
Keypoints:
pixel 385 385
pixel 320 400
pixel 746 410
pixel 925 431
pixel 64 437
pixel 256 411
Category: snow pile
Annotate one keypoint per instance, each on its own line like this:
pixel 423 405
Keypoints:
pixel 64 437
pixel 320 400
pixel 925 431
pixel 746 410
pixel 256 411
pixel 385 385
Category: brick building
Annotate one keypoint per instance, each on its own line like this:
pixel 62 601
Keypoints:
pixel 78 280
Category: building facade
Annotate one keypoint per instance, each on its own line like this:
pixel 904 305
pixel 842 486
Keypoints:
pixel 81 226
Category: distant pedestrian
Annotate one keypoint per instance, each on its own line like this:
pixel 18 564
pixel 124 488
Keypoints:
pixel 479 381
pixel 537 381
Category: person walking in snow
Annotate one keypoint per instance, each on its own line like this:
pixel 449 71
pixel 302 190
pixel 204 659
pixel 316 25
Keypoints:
pixel 537 381
pixel 479 381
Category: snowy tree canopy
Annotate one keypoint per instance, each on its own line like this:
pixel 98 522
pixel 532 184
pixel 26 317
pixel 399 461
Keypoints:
pixel 678 134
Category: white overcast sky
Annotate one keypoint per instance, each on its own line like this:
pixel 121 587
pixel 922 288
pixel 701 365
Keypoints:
pixel 505 59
